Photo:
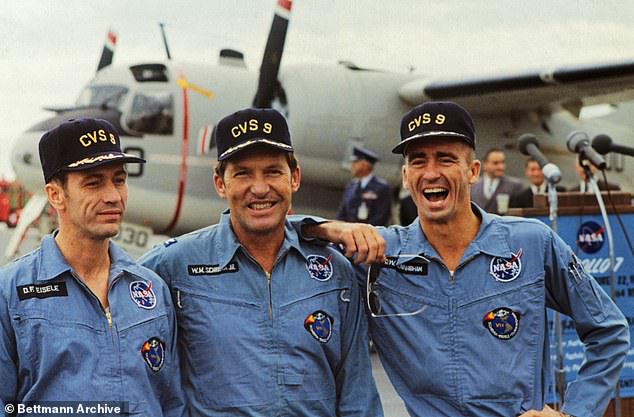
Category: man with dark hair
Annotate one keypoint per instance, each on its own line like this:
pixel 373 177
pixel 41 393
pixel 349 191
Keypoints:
pixel 458 307
pixel 494 190
pixel 80 322
pixel 269 324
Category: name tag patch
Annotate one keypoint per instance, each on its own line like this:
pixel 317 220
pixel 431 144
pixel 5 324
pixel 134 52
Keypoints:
pixel 411 267
pixel 199 270
pixel 49 289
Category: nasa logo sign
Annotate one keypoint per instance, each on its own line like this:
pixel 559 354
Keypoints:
pixel 590 237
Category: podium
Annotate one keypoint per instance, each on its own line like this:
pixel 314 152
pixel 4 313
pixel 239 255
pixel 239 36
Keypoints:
pixel 580 225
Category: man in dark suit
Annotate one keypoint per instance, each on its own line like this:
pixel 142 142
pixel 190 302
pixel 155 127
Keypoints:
pixel 367 198
pixel 494 187
pixel 537 185
pixel 584 186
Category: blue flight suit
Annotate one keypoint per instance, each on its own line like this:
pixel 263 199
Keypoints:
pixel 480 347
pixel 57 343
pixel 290 344
pixel 377 198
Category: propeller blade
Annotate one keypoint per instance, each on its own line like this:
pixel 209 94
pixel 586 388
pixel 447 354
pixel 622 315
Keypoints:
pixel 268 83
pixel 108 50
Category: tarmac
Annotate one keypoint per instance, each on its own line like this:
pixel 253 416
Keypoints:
pixel 392 404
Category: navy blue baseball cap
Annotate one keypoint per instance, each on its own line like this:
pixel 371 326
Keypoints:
pixel 79 144
pixel 249 127
pixel 436 119
pixel 363 153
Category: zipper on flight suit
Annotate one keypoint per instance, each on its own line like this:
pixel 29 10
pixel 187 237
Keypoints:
pixel 107 312
pixel 109 318
pixel 268 278
pixel 452 274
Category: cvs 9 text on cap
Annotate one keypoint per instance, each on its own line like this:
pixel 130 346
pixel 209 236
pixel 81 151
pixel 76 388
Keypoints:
pixel 251 125
pixel 425 119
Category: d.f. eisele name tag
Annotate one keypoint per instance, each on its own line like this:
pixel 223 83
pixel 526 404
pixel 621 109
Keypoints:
pixel 46 290
pixel 198 270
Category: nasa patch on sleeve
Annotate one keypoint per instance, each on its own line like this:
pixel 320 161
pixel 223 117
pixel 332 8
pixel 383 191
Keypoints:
pixel 169 242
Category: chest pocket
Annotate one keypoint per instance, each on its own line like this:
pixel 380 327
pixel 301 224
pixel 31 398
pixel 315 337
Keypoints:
pixel 407 293
pixel 148 375
pixel 311 323
pixel 52 344
pixel 500 339
pixel 225 337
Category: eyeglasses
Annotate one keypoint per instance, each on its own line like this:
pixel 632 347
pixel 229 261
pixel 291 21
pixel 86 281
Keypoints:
pixel 401 264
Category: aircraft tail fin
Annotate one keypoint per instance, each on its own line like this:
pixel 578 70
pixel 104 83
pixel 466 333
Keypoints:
pixel 108 50
pixel 268 82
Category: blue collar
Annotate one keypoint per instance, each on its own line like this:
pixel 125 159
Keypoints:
pixel 52 263
pixel 491 239
pixel 227 244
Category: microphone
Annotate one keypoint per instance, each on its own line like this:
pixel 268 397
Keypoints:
pixel 528 145
pixel 603 144
pixel 579 142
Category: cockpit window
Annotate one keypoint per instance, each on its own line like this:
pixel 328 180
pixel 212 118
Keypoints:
pixel 109 96
pixel 152 112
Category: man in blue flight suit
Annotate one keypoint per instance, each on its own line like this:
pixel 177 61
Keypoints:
pixel 464 331
pixel 79 320
pixel 367 198
pixel 270 325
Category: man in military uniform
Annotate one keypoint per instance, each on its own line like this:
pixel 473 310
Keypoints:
pixel 367 198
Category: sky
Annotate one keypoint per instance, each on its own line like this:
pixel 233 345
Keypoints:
pixel 49 49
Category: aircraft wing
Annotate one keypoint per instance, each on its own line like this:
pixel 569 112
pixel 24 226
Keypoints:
pixel 570 87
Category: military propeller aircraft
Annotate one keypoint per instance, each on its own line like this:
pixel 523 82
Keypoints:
pixel 166 110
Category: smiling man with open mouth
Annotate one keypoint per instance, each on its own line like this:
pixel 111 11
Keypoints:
pixel 458 308
pixel 269 324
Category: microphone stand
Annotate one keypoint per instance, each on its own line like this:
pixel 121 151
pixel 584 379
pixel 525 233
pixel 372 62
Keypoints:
pixel 608 231
pixel 560 373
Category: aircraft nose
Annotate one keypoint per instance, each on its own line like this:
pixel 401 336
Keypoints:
pixel 26 161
